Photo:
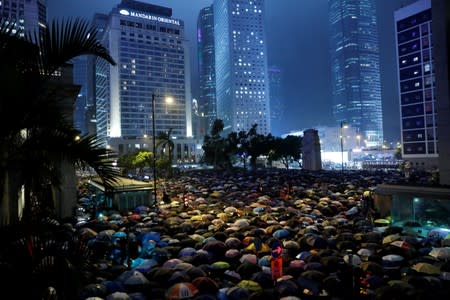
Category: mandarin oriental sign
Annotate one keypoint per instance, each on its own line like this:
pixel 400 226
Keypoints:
pixel 149 17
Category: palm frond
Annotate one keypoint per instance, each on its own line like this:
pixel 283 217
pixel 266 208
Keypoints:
pixel 65 40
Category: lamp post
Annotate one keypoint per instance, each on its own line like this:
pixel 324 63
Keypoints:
pixel 155 194
pixel 343 125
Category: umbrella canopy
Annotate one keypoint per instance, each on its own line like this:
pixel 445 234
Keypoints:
pixel 250 285
pixel 372 267
pixel 172 263
pixel 391 238
pixel 136 278
pixel 118 296
pixel 181 290
pixel 426 268
pixel 440 252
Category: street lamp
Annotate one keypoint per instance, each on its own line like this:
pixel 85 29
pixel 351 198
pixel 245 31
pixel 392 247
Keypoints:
pixel 155 194
pixel 343 125
pixel 168 100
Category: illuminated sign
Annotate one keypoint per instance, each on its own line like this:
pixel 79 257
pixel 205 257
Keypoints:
pixel 149 17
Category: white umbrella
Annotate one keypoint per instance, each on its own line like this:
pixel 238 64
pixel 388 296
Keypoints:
pixel 118 296
pixel 392 258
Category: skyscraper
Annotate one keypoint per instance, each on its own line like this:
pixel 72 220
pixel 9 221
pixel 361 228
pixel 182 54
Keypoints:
pixel 418 106
pixel 356 68
pixel 152 57
pixel 28 15
pixel 206 67
pixel 276 106
pixel 242 85
pixel 80 78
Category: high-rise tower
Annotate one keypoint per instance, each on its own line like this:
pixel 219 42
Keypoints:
pixel 356 68
pixel 242 85
pixel 152 58
pixel 206 67
pixel 28 15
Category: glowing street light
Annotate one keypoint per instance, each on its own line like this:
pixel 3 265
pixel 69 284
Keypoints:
pixel 168 100
pixel 341 136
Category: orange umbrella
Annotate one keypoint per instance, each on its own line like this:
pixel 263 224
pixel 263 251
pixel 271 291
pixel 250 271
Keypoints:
pixel 182 290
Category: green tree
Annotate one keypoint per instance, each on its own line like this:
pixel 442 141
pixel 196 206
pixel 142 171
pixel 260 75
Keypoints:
pixel 40 140
pixel 143 159
pixel 287 149
pixel 125 163
pixel 214 146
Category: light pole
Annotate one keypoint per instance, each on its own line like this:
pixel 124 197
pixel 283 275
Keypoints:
pixel 155 194
pixel 343 125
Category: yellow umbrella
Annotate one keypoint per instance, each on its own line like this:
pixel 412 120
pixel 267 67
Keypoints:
pixel 250 285
pixel 426 268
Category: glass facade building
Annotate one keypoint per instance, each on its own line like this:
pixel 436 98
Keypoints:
pixel 206 66
pixel 28 15
pixel 152 57
pixel 418 108
pixel 276 105
pixel 242 85
pixel 356 68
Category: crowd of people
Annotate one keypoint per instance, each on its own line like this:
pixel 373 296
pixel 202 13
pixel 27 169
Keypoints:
pixel 268 234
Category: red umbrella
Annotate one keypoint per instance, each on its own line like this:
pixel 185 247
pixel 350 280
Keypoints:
pixel 182 290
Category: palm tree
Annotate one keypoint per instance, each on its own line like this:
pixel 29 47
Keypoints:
pixel 165 140
pixel 40 139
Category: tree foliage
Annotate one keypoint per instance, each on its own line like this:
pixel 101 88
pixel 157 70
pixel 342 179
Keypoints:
pixel 221 151
pixel 34 146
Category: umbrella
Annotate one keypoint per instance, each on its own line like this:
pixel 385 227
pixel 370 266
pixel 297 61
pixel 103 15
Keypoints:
pixel 401 244
pixel 314 241
pixel 119 234
pixel 188 251
pixel 250 285
pixel 392 258
pixel 303 255
pixel 136 278
pixel 237 292
pixel 391 238
pixel 118 296
pixel 426 268
pixel 143 265
pixel 93 290
pixel 440 252
pixel 281 233
pixel 87 233
pixel 172 263
pixel 372 267
pixel 181 290
pixel 382 222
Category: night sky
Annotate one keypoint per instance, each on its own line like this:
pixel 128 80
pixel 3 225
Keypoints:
pixel 297 39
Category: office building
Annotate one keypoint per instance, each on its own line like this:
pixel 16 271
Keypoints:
pixel 206 70
pixel 28 15
pixel 356 68
pixel 151 53
pixel 422 52
pixel 242 85
pixel 416 75
pixel 276 105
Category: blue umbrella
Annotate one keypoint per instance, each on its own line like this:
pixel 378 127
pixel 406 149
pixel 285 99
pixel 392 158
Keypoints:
pixel 119 234
pixel 303 255
pixel 281 233
pixel 188 251
pixel 143 265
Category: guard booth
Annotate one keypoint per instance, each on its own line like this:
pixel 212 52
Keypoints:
pixel 427 207
pixel 125 193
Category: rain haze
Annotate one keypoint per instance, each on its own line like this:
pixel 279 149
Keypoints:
pixel 297 39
